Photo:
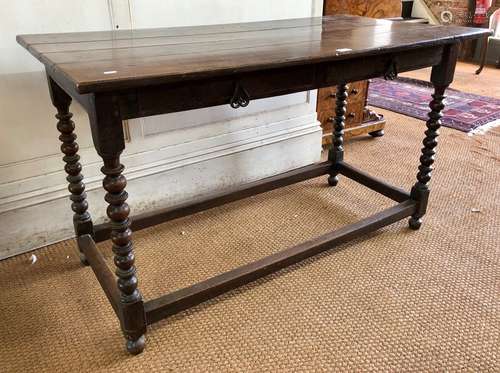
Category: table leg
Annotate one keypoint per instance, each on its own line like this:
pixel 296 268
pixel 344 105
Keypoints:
pixel 82 220
pixel 484 52
pixel 108 137
pixel 121 235
pixel 107 134
pixel 442 76
pixel 336 153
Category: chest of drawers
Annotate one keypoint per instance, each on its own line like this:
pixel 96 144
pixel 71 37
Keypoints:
pixel 359 119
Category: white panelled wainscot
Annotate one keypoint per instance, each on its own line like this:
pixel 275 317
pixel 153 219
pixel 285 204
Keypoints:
pixel 190 153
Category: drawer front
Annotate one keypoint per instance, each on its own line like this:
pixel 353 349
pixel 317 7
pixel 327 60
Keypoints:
pixel 354 116
pixel 354 113
pixel 325 117
pixel 356 93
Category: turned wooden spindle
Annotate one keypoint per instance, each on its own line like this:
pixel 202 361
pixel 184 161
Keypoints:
pixel 441 77
pixel 420 190
pixel 82 220
pixel 336 153
pixel 118 211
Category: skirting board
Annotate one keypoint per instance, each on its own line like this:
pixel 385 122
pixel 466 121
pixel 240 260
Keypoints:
pixel 27 226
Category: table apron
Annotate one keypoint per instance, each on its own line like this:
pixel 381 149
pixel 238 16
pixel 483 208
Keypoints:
pixel 196 94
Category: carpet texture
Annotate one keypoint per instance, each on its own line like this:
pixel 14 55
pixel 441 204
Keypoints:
pixel 464 111
pixel 486 84
pixel 397 300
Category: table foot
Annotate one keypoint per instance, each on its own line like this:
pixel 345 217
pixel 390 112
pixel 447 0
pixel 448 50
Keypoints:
pixel 333 180
pixel 415 223
pixel 135 347
pixel 83 259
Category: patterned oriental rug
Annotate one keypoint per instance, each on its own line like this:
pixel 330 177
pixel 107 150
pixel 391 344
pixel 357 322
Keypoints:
pixel 464 111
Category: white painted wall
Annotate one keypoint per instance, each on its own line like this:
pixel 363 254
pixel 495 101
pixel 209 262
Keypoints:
pixel 189 154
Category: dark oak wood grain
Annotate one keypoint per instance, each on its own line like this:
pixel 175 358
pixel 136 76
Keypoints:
pixel 336 153
pixel 103 274
pixel 380 186
pixel 121 235
pixel 102 61
pixel 82 221
pixel 441 76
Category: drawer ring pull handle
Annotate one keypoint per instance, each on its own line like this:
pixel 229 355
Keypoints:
pixel 240 98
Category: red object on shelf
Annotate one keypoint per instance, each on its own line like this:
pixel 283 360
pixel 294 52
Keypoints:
pixel 481 13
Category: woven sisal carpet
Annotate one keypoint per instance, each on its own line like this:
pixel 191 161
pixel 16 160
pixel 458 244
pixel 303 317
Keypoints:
pixel 398 301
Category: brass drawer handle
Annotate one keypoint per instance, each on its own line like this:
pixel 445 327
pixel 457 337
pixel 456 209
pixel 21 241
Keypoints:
pixel 352 114
pixel 354 91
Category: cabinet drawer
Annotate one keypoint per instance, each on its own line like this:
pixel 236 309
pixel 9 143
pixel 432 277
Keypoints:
pixel 354 116
pixel 325 117
pixel 358 91
pixel 354 113
pixel 326 96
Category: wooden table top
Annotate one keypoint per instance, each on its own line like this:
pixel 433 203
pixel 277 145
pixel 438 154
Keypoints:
pixel 107 60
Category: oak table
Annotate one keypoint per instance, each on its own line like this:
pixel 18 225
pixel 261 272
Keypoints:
pixel 117 75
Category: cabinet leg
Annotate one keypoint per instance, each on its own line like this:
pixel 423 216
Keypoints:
pixel 378 133
pixel 336 152
pixel 82 220
pixel 484 52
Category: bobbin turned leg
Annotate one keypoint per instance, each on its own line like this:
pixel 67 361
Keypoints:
pixel 442 76
pixel 336 152
pixel 82 221
pixel 121 236
pixel 107 134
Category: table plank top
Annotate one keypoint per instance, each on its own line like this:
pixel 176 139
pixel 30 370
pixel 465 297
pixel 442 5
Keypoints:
pixel 107 60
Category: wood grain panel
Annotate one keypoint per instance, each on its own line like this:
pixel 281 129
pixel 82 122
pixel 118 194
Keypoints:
pixel 326 96
pixel 354 114
pixel 371 8
pixel 93 62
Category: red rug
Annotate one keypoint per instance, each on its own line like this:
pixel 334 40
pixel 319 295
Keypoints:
pixel 464 111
